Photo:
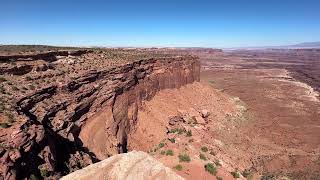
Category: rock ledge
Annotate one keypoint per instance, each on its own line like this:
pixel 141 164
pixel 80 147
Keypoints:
pixel 132 165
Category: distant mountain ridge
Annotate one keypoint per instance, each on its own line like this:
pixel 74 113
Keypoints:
pixel 307 44
pixel 315 44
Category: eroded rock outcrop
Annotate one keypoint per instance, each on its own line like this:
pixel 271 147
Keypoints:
pixel 132 165
pixel 47 56
pixel 68 126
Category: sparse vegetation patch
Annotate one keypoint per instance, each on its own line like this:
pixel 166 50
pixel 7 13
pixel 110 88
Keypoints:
pixel 172 140
pixel 267 176
pixel 246 173
pixel 203 157
pixel 178 167
pixel 177 130
pixel 210 168
pixel 235 174
pixel 184 158
pixel 4 125
pixel 169 152
pixel 161 145
pixel 189 133
pixel 204 149
pixel 33 177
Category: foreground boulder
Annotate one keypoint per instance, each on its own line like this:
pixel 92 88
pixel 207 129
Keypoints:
pixel 132 165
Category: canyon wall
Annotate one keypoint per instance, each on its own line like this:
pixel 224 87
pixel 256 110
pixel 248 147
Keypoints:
pixel 68 126
pixel 114 122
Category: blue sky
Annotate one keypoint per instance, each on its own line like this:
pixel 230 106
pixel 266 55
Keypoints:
pixel 222 23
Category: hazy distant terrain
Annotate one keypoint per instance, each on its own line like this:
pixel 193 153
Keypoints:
pixel 294 46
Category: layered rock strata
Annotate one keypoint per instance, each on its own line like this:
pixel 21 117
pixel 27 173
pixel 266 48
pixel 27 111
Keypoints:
pixel 68 126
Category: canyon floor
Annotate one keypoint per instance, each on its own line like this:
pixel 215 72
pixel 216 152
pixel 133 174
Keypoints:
pixel 281 136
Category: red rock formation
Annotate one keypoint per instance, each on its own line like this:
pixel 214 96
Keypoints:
pixel 67 127
pixel 119 117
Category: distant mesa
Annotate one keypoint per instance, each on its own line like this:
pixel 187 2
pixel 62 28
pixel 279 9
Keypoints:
pixel 307 45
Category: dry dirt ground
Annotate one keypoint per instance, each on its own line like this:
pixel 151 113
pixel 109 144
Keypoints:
pixel 153 132
pixel 280 134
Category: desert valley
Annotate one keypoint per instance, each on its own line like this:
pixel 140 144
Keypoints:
pixel 159 113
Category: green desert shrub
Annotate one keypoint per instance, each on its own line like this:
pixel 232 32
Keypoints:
pixel 235 174
pixel 184 158
pixel 33 177
pixel 169 152
pixel 177 130
pixel 203 157
pixel 189 133
pixel 212 153
pixel 172 140
pixel 178 167
pixel 246 173
pixel 210 168
pixel 44 173
pixel 180 131
pixel 267 176
pixel 161 145
pixel 204 149
pixel 4 125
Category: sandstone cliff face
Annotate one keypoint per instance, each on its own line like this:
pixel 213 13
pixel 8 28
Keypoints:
pixel 69 126
pixel 133 165
pixel 114 122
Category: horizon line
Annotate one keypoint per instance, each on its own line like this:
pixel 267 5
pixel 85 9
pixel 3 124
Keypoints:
pixel 150 46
